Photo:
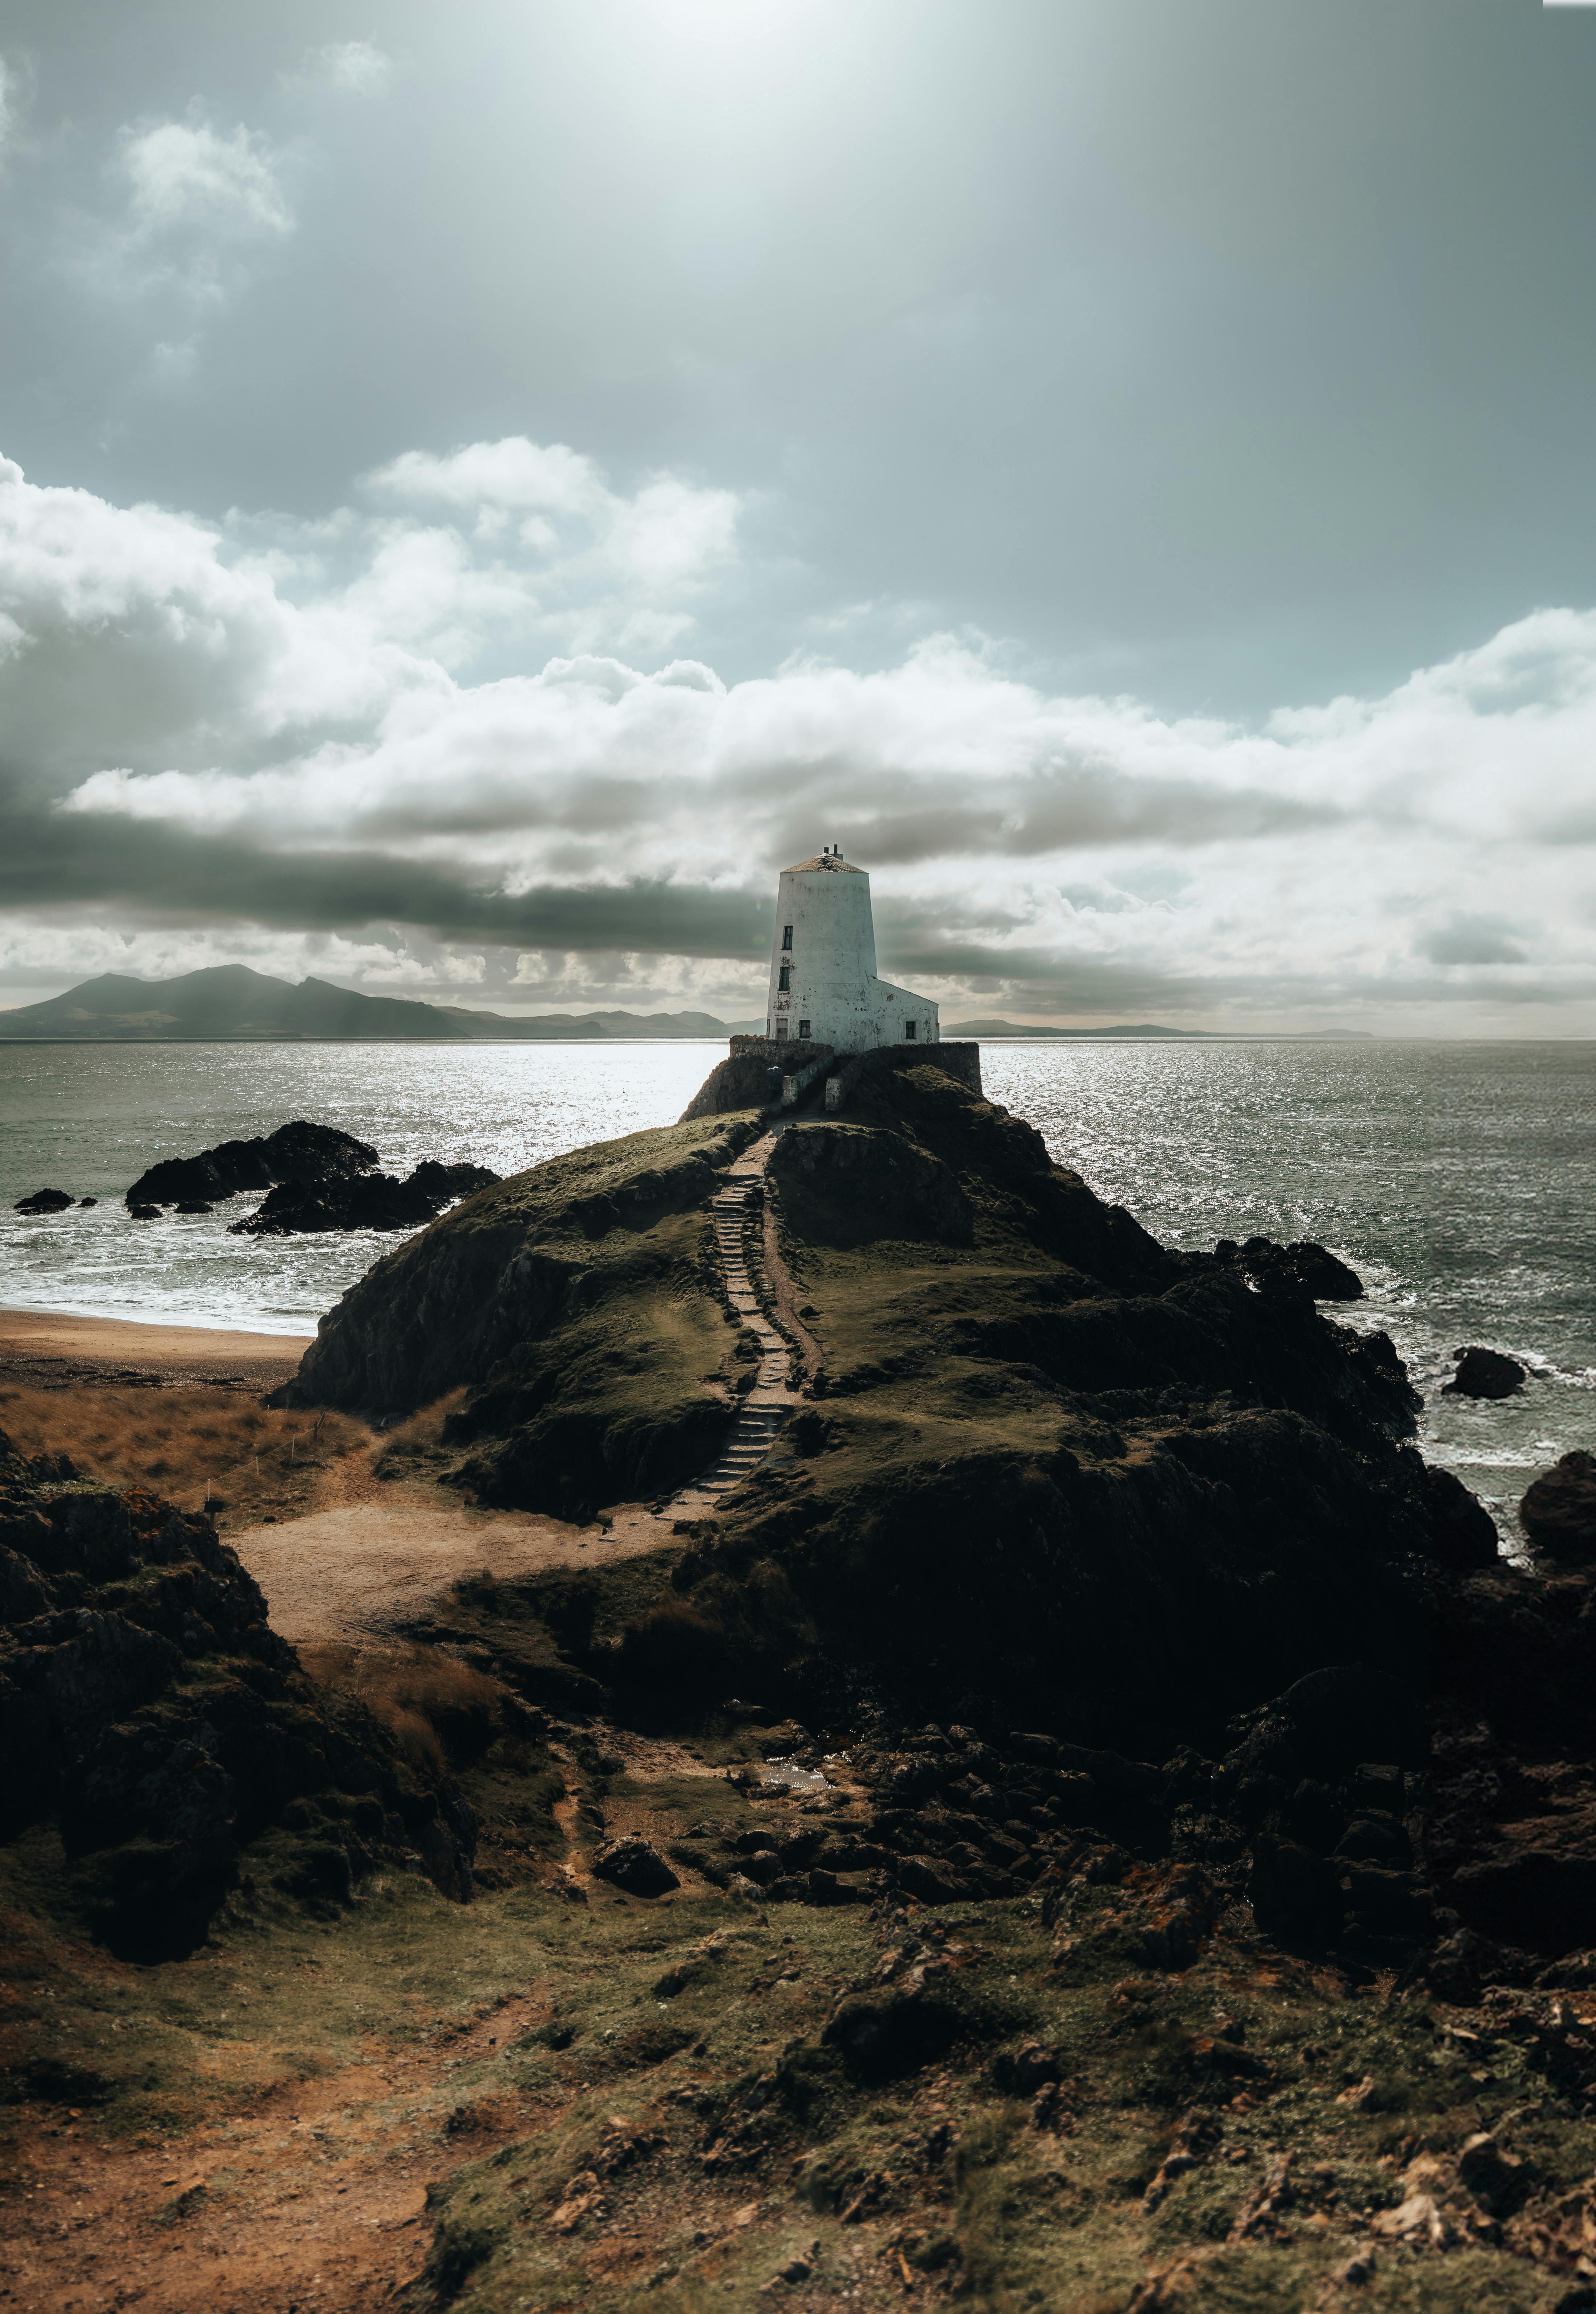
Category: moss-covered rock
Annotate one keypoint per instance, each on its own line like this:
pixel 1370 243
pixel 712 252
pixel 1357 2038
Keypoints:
pixel 579 1302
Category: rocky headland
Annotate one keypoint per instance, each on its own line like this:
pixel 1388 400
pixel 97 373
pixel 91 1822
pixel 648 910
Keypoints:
pixel 1090 1819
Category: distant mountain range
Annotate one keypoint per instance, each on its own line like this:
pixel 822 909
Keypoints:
pixel 1151 1028
pixel 231 1005
pixel 1027 1028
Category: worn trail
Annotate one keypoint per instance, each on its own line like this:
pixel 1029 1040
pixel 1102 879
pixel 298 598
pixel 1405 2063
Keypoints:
pixel 765 1407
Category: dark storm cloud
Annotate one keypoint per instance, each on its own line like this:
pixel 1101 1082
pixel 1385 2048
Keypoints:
pixel 1046 979
pixel 906 816
pixel 576 803
pixel 931 817
pixel 53 860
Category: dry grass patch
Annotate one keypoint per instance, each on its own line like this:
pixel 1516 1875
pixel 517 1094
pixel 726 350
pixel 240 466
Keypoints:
pixel 444 1712
pixel 185 1444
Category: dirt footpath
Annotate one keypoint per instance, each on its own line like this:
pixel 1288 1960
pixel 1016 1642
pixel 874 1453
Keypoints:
pixel 356 1574
pixel 308 2192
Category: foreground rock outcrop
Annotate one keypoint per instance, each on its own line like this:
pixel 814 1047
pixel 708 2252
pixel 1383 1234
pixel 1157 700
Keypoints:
pixel 150 1715
pixel 1558 1511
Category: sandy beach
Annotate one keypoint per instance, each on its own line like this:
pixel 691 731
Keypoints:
pixel 47 1351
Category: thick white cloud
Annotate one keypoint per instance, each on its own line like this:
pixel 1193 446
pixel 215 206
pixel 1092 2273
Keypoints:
pixel 1420 859
pixel 545 522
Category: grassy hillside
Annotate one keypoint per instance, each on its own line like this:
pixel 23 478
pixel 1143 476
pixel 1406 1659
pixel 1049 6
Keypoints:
pixel 581 1306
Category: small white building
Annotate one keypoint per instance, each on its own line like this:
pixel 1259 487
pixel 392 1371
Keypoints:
pixel 824 985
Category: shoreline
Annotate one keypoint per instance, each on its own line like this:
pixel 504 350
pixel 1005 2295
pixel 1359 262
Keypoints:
pixel 58 1347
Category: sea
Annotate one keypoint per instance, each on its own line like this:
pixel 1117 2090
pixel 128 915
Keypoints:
pixel 1458 1179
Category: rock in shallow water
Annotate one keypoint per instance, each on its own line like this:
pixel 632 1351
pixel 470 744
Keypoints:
pixel 44 1201
pixel 298 1151
pixel 378 1201
pixel 1484 1373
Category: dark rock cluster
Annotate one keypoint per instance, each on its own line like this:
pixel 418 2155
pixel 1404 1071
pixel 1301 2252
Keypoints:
pixel 316 1178
pixel 148 1711
pixel 374 1201
pixel 799 1861
pixel 311 1155
pixel 1312 1818
pixel 48 1201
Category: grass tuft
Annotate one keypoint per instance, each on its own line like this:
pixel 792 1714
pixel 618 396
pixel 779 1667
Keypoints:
pixel 443 1711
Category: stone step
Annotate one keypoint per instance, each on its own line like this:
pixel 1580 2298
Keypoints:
pixel 757 1426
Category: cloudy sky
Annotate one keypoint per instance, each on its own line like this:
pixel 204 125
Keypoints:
pixel 483 487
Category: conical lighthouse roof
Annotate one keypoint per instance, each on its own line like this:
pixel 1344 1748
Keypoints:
pixel 832 859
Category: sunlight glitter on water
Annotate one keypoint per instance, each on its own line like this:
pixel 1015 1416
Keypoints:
pixel 1458 1179
pixel 89 1119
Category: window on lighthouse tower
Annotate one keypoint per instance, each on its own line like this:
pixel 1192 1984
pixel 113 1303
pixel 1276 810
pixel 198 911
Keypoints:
pixel 787 935
pixel 784 977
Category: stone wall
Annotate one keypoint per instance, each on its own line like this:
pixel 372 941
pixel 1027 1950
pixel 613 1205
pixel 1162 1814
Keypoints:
pixel 742 1081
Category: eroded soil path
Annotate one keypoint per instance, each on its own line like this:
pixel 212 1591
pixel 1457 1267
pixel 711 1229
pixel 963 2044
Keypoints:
pixel 255 2130
pixel 310 2191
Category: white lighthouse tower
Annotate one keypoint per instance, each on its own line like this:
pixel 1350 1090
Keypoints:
pixel 824 984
